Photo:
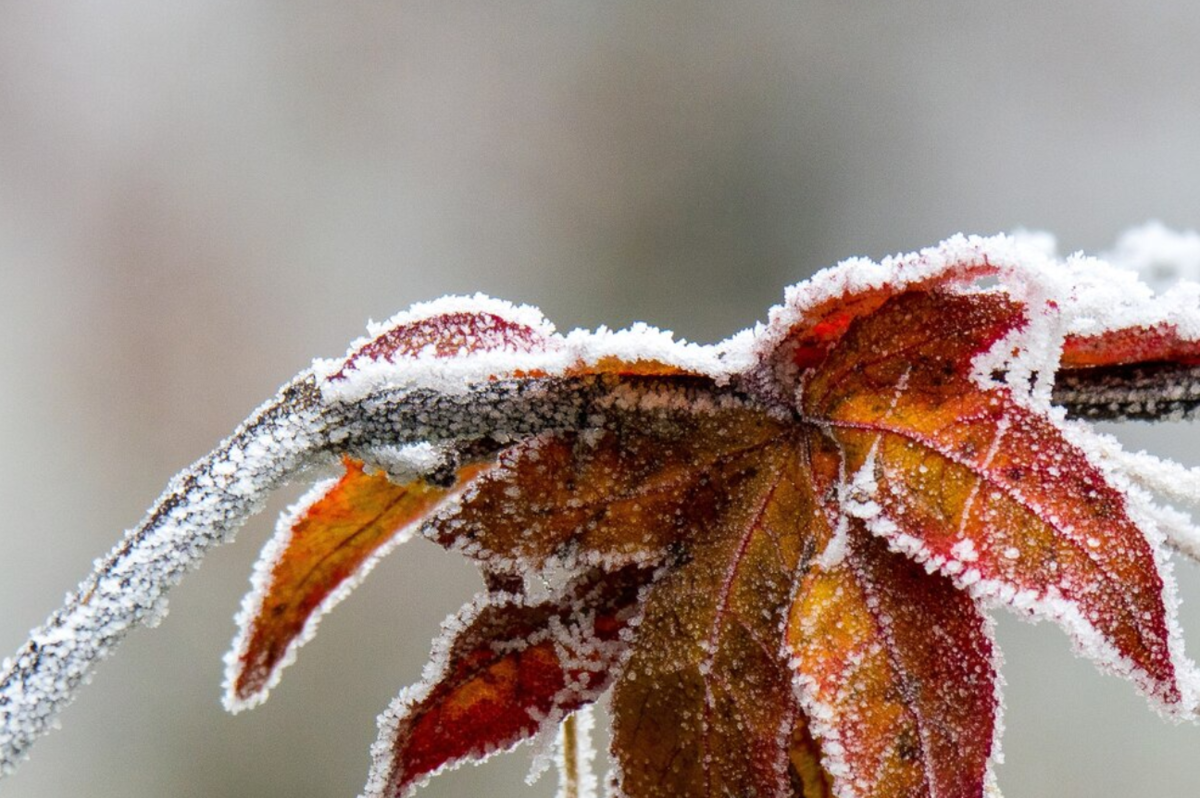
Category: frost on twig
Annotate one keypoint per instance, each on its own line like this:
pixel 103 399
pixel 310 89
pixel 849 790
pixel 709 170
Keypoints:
pixel 206 503
pixel 1158 392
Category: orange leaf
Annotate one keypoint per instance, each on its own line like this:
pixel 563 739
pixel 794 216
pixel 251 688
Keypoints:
pixel 896 669
pixel 320 555
pixel 630 368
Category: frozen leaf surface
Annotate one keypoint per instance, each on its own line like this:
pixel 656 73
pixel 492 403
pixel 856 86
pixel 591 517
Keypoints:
pixel 704 706
pixel 775 555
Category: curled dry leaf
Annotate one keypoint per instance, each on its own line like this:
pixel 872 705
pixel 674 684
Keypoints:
pixel 776 555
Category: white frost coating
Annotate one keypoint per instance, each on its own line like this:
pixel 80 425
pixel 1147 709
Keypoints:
pixel 1028 355
pixel 1166 478
pixel 998 685
pixel 1178 527
pixel 646 343
pixel 1109 298
pixel 990 788
pixel 405 463
pixel 856 497
pixel 583 782
pixel 547 752
pixel 821 722
pixel 667 398
pixel 524 315
pixel 553 356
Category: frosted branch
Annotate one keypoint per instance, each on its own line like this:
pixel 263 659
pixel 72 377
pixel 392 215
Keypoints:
pixel 205 504
pixel 1166 392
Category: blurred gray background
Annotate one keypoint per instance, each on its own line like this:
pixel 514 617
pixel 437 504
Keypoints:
pixel 198 197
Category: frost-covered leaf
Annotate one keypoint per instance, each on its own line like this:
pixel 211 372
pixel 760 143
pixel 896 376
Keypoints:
pixel 452 327
pixel 979 487
pixel 1148 372
pixel 778 549
pixel 322 548
pixel 895 668
pixel 624 493
pixel 1161 343
pixel 705 704
pixel 503 671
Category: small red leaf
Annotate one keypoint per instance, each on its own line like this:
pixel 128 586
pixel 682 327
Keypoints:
pixel 1161 343
pixel 508 670
pixel 453 328
pixel 817 324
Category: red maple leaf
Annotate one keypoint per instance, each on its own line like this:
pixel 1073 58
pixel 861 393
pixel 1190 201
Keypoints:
pixel 776 556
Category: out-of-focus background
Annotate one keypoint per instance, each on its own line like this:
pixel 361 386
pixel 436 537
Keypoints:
pixel 198 197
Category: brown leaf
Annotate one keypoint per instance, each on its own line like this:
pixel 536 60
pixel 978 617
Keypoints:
pixel 705 705
pixel 619 494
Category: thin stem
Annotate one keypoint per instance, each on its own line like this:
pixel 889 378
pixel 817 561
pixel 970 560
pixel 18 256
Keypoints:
pixel 1149 392
pixel 569 775
pixel 201 508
